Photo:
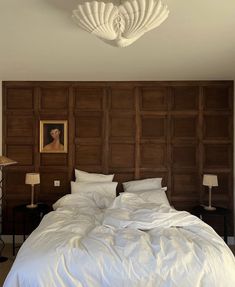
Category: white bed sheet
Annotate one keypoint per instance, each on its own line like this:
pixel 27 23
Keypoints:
pixel 132 243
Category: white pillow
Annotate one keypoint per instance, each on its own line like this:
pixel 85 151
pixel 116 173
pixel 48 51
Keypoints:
pixel 92 177
pixel 102 201
pixel 157 196
pixel 142 184
pixel 89 188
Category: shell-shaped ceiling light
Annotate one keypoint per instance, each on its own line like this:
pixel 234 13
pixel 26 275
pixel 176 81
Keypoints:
pixel 120 25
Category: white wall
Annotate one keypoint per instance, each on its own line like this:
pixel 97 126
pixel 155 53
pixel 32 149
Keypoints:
pixel 0 140
pixel 0 117
pixel 39 41
pixel 234 162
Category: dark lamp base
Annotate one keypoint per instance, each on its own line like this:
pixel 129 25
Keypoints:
pixel 3 259
pixel 31 205
pixel 210 208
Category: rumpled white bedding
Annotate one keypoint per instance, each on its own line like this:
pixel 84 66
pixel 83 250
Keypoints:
pixel 132 243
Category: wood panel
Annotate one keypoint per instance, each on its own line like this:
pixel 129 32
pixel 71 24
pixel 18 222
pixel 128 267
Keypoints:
pixel 122 126
pixel 122 99
pixel 15 96
pixel 47 189
pixel 184 127
pixel 23 154
pixel 122 155
pixel 20 126
pixel 58 159
pixel 185 98
pixel 153 99
pixel 174 130
pixel 54 98
pixel 153 155
pixel 223 127
pixel 153 127
pixel 88 154
pixel 88 98
pixel 217 98
pixel 88 126
pixel 217 156
pixel 184 156
pixel 186 184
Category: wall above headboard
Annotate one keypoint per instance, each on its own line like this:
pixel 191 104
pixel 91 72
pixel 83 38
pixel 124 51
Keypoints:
pixel 176 130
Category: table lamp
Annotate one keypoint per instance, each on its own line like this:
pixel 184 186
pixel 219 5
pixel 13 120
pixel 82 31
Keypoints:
pixel 32 179
pixel 4 161
pixel 210 180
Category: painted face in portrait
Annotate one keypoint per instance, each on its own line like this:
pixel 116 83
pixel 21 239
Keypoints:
pixel 55 133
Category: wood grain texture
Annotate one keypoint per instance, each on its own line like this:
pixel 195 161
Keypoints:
pixel 174 130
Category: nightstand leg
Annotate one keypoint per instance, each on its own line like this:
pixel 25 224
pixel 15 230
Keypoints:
pixel 225 230
pixel 13 235
pixel 24 227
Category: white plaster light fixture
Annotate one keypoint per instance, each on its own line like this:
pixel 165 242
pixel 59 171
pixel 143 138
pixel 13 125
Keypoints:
pixel 122 23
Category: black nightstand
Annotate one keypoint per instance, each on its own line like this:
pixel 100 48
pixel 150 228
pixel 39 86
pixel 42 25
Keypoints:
pixel 33 215
pixel 202 213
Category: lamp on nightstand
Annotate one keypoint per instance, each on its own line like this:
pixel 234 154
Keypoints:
pixel 210 180
pixel 4 161
pixel 32 179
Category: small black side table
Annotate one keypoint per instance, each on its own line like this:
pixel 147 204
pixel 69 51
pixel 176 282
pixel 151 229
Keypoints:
pixel 33 215
pixel 200 212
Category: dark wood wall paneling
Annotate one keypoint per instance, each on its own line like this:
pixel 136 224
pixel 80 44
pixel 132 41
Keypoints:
pixel 174 130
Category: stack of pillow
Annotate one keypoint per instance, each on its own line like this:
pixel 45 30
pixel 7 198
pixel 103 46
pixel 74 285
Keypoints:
pixel 86 182
pixel 102 188
pixel 149 189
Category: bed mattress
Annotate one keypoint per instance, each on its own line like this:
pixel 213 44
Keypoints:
pixel 132 243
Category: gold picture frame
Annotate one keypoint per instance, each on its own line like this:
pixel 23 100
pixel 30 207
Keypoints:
pixel 53 136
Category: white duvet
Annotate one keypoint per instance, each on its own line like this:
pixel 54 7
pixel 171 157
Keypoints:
pixel 132 243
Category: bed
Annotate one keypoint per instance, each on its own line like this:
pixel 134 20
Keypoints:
pixel 137 239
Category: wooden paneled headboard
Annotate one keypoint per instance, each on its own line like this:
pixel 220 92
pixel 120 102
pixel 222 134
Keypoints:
pixel 174 130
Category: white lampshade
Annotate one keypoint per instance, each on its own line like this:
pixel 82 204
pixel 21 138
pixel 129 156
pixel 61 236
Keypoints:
pixel 32 178
pixel 210 180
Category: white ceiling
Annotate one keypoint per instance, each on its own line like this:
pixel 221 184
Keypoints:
pixel 39 41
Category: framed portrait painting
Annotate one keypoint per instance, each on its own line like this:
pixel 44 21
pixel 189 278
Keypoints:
pixel 53 136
